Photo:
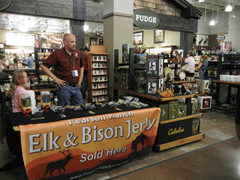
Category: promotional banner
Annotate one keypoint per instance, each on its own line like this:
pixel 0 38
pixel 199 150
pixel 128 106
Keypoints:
pixel 76 148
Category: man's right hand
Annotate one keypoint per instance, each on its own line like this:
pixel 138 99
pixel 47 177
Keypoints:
pixel 61 82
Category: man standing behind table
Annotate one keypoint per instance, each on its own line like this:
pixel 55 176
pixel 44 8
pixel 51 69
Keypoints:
pixel 29 61
pixel 68 71
pixel 85 77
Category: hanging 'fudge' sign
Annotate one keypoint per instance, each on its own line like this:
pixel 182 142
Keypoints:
pixel 4 4
pixel 146 19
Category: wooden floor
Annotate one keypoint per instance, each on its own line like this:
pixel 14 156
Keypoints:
pixel 217 156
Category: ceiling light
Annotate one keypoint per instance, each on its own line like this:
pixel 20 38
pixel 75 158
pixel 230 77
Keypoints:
pixel 233 16
pixel 212 23
pixel 229 8
pixel 86 27
pixel 201 1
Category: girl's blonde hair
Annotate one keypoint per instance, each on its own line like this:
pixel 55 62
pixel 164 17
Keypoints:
pixel 16 78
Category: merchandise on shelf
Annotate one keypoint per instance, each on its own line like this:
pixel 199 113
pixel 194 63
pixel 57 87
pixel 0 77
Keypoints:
pixel 153 84
pixel 173 109
pixel 154 65
pixel 98 78
pixel 140 81
pixel 164 112
pixel 182 110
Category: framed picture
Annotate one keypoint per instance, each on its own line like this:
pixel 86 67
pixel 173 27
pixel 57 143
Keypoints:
pixel 159 36
pixel 138 38
pixel 100 42
pixel 93 41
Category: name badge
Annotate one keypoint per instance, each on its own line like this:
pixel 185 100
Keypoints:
pixel 74 73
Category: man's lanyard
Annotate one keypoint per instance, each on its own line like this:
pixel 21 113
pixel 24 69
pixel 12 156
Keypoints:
pixel 69 57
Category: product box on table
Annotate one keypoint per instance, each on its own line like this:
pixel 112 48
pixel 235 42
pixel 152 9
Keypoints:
pixel 204 102
pixel 154 65
pixel 164 112
pixel 177 130
pixel 153 84
pixel 173 109
pixel 124 74
pixel 194 106
pixel 182 110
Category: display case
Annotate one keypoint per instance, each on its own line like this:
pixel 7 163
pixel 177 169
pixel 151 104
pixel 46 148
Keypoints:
pixel 98 77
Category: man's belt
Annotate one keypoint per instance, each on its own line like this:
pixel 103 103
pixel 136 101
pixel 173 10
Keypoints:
pixel 72 84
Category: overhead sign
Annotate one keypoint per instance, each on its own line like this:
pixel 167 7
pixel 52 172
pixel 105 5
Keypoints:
pixel 146 19
pixel 4 4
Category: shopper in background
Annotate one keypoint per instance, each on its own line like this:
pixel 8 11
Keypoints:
pixel 216 58
pixel 3 64
pixel 85 76
pixel 68 71
pixel 16 63
pixel 191 62
pixel 29 61
pixel 202 67
pixel 19 81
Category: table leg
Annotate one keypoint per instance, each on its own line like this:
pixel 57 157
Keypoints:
pixel 237 120
pixel 217 102
pixel 4 115
pixel 115 94
pixel 189 106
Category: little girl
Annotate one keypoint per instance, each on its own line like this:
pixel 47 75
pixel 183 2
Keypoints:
pixel 19 80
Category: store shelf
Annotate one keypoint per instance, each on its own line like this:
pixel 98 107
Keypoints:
pixel 100 68
pixel 99 88
pixel 178 82
pixel 177 97
pixel 100 61
pixel 155 97
pixel 226 82
pixel 99 81
pixel 99 95
pixel 99 74
pixel 181 118
pixel 179 142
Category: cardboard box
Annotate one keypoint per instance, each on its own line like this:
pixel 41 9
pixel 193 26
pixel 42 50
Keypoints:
pixel 182 110
pixel 203 86
pixel 153 84
pixel 164 112
pixel 204 102
pixel 155 65
pixel 194 107
pixel 173 109
pixel 195 126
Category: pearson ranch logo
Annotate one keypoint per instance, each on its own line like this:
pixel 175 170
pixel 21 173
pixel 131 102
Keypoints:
pixel 146 19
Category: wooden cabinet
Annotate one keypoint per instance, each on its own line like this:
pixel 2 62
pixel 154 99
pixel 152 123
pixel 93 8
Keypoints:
pixel 98 77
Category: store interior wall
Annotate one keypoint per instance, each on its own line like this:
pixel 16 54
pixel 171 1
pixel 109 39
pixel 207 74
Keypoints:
pixel 172 38
pixel 222 25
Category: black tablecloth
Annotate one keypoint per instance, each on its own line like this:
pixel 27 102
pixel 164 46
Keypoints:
pixel 18 119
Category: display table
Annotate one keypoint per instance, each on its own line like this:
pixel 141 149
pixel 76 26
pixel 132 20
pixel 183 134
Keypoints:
pixel 172 132
pixel 85 141
pixel 231 84
pixel 155 100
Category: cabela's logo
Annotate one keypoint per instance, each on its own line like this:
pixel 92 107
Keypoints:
pixel 175 131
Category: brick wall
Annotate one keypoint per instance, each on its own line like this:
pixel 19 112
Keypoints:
pixel 159 6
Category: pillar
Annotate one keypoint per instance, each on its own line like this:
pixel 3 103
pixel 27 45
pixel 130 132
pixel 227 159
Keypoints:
pixel 118 29
pixel 77 28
